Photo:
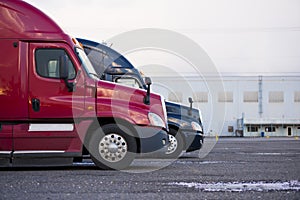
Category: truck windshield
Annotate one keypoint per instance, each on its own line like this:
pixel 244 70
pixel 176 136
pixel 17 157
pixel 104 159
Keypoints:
pixel 86 63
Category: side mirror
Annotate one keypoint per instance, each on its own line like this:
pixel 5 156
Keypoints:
pixel 64 72
pixel 191 105
pixel 148 82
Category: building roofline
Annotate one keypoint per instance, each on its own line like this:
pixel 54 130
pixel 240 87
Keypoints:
pixel 274 121
pixel 228 77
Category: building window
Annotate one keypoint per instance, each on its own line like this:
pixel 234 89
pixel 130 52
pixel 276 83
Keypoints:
pixel 175 96
pixel 230 129
pixel 225 97
pixel 252 128
pixel 250 97
pixel 201 97
pixel 270 129
pixel 297 96
pixel 276 97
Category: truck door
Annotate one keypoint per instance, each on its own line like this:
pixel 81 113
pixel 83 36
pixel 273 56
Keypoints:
pixel 50 105
pixel 49 95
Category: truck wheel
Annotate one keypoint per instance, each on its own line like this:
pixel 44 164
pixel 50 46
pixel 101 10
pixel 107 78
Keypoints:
pixel 176 144
pixel 111 147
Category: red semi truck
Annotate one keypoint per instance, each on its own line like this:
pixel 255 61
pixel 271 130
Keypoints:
pixel 53 105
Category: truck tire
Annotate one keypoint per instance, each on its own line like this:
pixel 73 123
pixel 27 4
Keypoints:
pixel 176 145
pixel 111 147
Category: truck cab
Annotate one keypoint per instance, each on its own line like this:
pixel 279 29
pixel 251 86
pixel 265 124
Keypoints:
pixel 185 125
pixel 54 105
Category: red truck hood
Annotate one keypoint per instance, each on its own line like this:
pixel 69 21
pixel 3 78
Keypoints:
pixel 126 103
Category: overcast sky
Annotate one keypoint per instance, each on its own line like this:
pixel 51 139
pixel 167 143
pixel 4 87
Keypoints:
pixel 253 36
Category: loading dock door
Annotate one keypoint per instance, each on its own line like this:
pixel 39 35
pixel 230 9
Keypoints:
pixel 289 131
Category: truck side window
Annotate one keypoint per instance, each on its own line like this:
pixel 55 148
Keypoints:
pixel 47 63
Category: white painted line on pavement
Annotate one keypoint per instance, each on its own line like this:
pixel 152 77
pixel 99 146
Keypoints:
pixel 242 186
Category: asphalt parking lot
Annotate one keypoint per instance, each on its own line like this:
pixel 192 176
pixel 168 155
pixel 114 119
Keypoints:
pixel 231 168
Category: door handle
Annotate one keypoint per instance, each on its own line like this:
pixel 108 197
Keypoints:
pixel 35 104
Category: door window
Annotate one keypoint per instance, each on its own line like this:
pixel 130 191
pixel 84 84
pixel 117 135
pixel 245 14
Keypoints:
pixel 48 63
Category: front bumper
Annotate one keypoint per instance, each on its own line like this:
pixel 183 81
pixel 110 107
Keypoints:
pixel 193 140
pixel 152 140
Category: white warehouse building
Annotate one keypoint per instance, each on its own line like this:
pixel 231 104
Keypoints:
pixel 249 106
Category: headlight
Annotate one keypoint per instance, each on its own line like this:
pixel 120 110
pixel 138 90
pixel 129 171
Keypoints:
pixel 156 120
pixel 196 126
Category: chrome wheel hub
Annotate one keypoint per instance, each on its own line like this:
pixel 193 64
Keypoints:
pixel 173 144
pixel 113 147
